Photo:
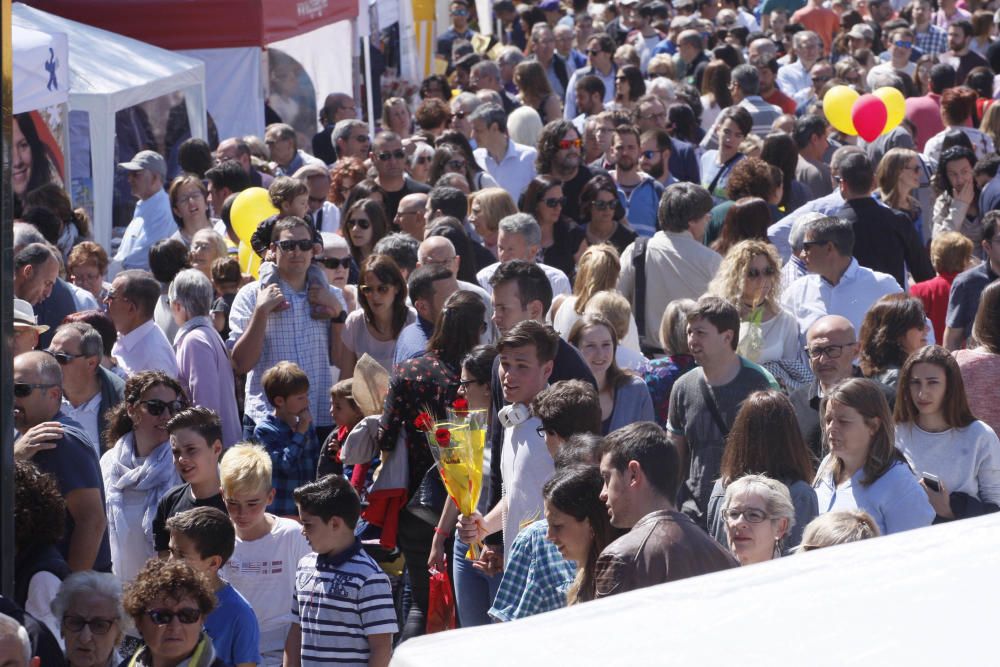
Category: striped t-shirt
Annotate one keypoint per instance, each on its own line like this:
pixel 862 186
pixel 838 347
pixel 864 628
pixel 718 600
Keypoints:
pixel 339 601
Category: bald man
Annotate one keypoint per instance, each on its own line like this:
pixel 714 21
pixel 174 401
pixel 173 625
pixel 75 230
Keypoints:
pixel 411 217
pixel 832 348
pixel 439 251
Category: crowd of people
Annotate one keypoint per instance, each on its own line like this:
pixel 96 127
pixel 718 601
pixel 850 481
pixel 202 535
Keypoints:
pixel 705 329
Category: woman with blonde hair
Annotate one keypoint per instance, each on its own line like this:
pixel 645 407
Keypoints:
pixel 487 207
pixel 396 117
pixel 990 124
pixel 661 373
pixel 757 513
pixel 536 91
pixel 898 178
pixel 833 528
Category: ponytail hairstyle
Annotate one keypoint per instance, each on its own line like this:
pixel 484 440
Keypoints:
pixel 119 421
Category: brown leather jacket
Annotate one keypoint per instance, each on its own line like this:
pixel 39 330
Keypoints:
pixel 662 546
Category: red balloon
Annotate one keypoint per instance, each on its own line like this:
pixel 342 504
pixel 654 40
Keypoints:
pixel 869 115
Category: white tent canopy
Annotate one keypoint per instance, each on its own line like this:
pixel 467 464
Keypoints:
pixel 923 597
pixel 108 73
pixel 40 69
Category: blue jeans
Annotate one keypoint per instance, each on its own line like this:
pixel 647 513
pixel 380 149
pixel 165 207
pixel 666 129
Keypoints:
pixel 474 591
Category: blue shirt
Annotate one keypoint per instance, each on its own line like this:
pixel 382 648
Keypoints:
pixel 535 576
pixel 641 206
pixel 232 625
pixel 412 340
pixel 293 460
pixel 779 231
pixel 152 221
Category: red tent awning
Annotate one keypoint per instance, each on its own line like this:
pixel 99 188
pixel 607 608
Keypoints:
pixel 204 24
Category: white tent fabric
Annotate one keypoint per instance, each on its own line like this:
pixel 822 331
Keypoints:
pixel 234 84
pixel 41 78
pixel 923 597
pixel 107 73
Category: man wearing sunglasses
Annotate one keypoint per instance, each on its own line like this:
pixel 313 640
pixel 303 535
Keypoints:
pixel 511 165
pixel 458 11
pixel 560 155
pixel 900 48
pixel 59 446
pixel 389 159
pixel 655 147
pixel 600 48
pixel 325 214
pixel 350 137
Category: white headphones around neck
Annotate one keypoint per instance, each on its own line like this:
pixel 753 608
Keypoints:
pixel 514 415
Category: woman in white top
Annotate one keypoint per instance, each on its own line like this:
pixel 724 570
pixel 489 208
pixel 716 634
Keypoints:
pixel 957 455
pixel 139 469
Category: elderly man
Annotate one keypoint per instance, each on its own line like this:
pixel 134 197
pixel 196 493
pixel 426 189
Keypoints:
pixel 237 150
pixel 153 220
pixel 36 269
pixel 485 75
pixel 411 215
pixel 389 160
pixel 350 137
pixel 15 645
pixel 26 328
pixel 511 165
pixel 690 59
pixel 520 237
pixel 89 389
pixel 794 79
pixel 325 214
pixel 336 107
pixel 745 87
pixel 58 446
pixel 282 143
pixel 462 107
pixel 141 345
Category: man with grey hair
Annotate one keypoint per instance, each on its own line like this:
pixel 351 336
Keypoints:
pixel 282 143
pixel 690 55
pixel 485 75
pixel 520 237
pixel 141 345
pixel 462 106
pixel 564 36
pixel 794 78
pixel 795 267
pixel 544 42
pixel 237 150
pixel 510 164
pixel 89 389
pixel 204 369
pixel 745 87
pixel 509 58
pixel 762 47
pixel 836 283
pixel 402 248
pixel 15 646
pixel 350 138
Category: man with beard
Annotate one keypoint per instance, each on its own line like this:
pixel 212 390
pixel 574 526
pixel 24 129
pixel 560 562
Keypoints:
pixel 651 114
pixel 559 156
pixel 655 147
pixel 639 190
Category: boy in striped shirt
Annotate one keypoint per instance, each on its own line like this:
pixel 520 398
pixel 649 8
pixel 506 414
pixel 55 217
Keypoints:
pixel 343 603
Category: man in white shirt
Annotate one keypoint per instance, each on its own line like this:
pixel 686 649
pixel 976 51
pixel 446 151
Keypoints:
pixel 153 220
pixel 141 345
pixel 520 237
pixel 900 47
pixel 794 79
pixel 745 87
pixel 836 284
pixel 325 214
pixel 510 164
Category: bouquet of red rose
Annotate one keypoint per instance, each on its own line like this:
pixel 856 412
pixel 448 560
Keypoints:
pixel 457 446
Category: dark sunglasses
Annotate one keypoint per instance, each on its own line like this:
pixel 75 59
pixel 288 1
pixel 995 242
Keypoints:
pixel 359 222
pixel 754 273
pixel 98 626
pixel 333 263
pixel 601 205
pixel 155 407
pixel 457 165
pixel 64 357
pixel 568 143
pixel 187 616
pixel 288 245
pixel 385 156
pixel 381 289
pixel 24 389
pixel 594 52
pixel 554 202
pixel 423 159
pixel 649 155
pixel 460 114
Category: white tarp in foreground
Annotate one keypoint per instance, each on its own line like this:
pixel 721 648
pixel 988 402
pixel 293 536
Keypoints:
pixel 925 597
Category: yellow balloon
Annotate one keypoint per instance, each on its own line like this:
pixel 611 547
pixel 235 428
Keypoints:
pixel 249 260
pixel 250 208
pixel 895 106
pixel 837 104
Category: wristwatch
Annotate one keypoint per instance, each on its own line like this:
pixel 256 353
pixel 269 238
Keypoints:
pixel 340 319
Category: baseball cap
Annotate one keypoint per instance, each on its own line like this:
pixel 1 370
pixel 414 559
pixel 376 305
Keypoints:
pixel 862 31
pixel 150 160
pixel 24 316
pixel 550 6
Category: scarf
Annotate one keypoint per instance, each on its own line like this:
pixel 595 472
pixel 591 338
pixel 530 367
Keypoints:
pixel 155 476
pixel 202 656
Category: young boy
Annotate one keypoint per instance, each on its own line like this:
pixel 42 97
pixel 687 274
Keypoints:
pixel 346 415
pixel 288 433
pixel 226 278
pixel 267 550
pixel 290 196
pixel 196 443
pixel 343 602
pixel 204 538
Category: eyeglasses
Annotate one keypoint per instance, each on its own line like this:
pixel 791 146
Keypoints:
pixel 754 273
pixel 385 156
pixel 361 223
pixel 423 159
pixel 288 245
pixel 542 431
pixel 903 44
pixel 554 202
pixel 187 616
pixel 650 155
pixel 457 165
pixel 64 357
pixel 194 195
pixel 460 114
pixel 751 515
pixel 565 144
pixel 98 626
pixel 594 52
pixel 603 204
pixel 362 139
pixel 460 12
pixel 24 389
pixel 369 289
pixel 806 245
pixel 155 406
pixel 829 351
pixel 653 116
pixel 333 263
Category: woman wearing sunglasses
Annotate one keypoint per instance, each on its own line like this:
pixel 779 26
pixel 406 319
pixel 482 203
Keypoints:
pixel 453 155
pixel 168 602
pixel 139 468
pixel 603 216
pixel 92 621
pixel 364 225
pixel 563 241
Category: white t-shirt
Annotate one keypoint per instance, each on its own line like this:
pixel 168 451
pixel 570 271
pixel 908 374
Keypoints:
pixel 263 571
pixel 964 459
pixel 525 467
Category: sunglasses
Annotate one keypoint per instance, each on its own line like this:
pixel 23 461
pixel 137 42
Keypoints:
pixel 381 289
pixel 385 156
pixel 24 389
pixel 187 616
pixel 594 52
pixel 361 223
pixel 754 273
pixel 64 357
pixel 423 159
pixel 98 626
pixel 155 407
pixel 649 155
pixel 460 12
pixel 565 144
pixel 903 44
pixel 457 165
pixel 554 202
pixel 602 205
pixel 333 263
pixel 460 114
pixel 288 245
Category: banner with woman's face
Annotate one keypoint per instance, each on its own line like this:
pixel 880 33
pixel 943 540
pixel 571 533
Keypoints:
pixel 36 155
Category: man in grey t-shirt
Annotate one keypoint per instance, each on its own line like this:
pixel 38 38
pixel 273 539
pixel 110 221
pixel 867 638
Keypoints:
pixel 704 402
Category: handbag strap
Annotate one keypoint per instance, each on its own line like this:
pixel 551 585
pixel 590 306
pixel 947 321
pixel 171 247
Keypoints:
pixel 713 407
pixel 725 168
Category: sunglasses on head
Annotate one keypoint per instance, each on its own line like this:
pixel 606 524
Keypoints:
pixel 570 143
pixel 64 357
pixel 187 616
pixel 603 205
pixel 754 273
pixel 554 202
pixel 333 263
pixel 361 223
pixel 385 156
pixel 155 406
pixel 381 289
pixel 288 245
pixel 24 389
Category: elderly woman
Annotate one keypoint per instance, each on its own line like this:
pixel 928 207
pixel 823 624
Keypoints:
pixel 757 512
pixel 91 619
pixel 168 602
pixel 206 373
pixel 336 262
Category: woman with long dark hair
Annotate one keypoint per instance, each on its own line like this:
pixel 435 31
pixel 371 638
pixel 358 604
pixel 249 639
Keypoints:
pixel 894 328
pixel 782 151
pixel 30 163
pixel 562 239
pixel 603 215
pixel 364 225
pixel 957 207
